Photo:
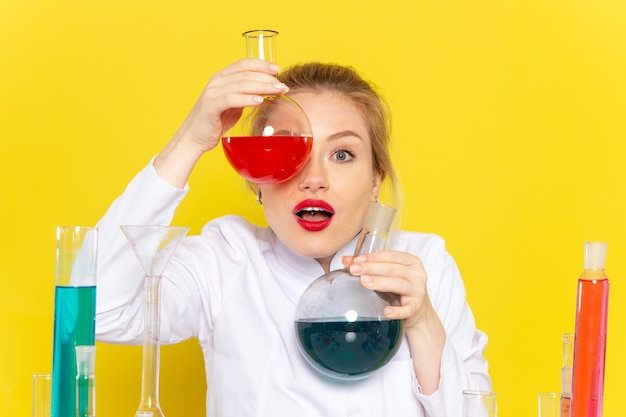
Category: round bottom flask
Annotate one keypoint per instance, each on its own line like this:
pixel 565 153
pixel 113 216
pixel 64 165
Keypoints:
pixel 271 142
pixel 340 326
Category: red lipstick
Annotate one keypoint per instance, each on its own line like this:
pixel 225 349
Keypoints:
pixel 313 215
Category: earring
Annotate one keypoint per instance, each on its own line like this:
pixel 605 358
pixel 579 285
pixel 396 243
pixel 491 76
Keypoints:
pixel 259 198
pixel 375 181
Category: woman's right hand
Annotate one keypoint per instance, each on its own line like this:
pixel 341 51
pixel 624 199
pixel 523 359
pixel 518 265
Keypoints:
pixel 241 84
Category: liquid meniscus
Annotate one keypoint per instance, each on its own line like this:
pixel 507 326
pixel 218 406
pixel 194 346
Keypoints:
pixel 349 350
pixel 267 159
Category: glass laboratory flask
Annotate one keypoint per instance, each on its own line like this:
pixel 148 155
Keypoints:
pixel 271 142
pixel 340 326
pixel 154 247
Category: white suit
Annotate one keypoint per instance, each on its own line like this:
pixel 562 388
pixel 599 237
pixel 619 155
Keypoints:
pixel 236 286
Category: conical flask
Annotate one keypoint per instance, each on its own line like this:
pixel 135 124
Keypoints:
pixel 340 326
pixel 271 142
pixel 154 247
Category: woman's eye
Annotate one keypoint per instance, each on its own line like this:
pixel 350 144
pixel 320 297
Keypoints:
pixel 343 155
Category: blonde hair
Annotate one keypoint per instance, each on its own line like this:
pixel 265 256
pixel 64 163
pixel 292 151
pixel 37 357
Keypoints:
pixel 323 77
pixel 319 77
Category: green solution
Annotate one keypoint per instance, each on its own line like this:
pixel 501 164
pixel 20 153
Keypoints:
pixel 84 390
pixel 349 350
pixel 74 324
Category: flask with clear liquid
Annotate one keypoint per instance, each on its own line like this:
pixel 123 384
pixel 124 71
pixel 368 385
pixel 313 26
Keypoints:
pixel 590 334
pixel 340 326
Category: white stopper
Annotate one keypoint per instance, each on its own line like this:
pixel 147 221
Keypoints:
pixel 595 255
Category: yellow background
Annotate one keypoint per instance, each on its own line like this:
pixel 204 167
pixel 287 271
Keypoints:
pixel 509 127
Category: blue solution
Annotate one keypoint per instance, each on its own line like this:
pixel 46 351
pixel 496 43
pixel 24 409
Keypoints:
pixel 74 324
pixel 349 350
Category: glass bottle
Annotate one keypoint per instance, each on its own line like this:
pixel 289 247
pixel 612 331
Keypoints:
pixel 271 142
pixel 590 334
pixel 154 247
pixel 74 310
pixel 566 374
pixel 340 326
pixel 85 381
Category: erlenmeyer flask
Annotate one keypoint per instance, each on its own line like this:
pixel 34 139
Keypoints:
pixel 340 326
pixel 271 142
pixel 154 247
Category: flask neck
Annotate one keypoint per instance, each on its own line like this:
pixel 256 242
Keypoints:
pixel 369 242
pixel 373 236
pixel 261 44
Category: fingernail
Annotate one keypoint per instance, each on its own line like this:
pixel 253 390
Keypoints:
pixel 281 86
pixel 366 278
pixel 355 269
pixel 360 258
pixel 274 67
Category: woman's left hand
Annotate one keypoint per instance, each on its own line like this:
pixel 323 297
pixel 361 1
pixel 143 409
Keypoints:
pixel 396 272
pixel 404 275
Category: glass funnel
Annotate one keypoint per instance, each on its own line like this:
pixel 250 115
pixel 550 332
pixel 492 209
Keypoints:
pixel 271 142
pixel 340 326
pixel 154 247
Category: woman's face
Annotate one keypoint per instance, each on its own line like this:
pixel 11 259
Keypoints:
pixel 322 208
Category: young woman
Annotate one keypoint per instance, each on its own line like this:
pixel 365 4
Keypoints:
pixel 236 286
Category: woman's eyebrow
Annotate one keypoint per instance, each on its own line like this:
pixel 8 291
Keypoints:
pixel 343 134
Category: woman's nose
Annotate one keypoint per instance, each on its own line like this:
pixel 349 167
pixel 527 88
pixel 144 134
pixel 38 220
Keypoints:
pixel 312 177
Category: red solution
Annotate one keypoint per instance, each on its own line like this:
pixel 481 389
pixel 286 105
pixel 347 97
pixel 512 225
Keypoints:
pixel 590 344
pixel 267 159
